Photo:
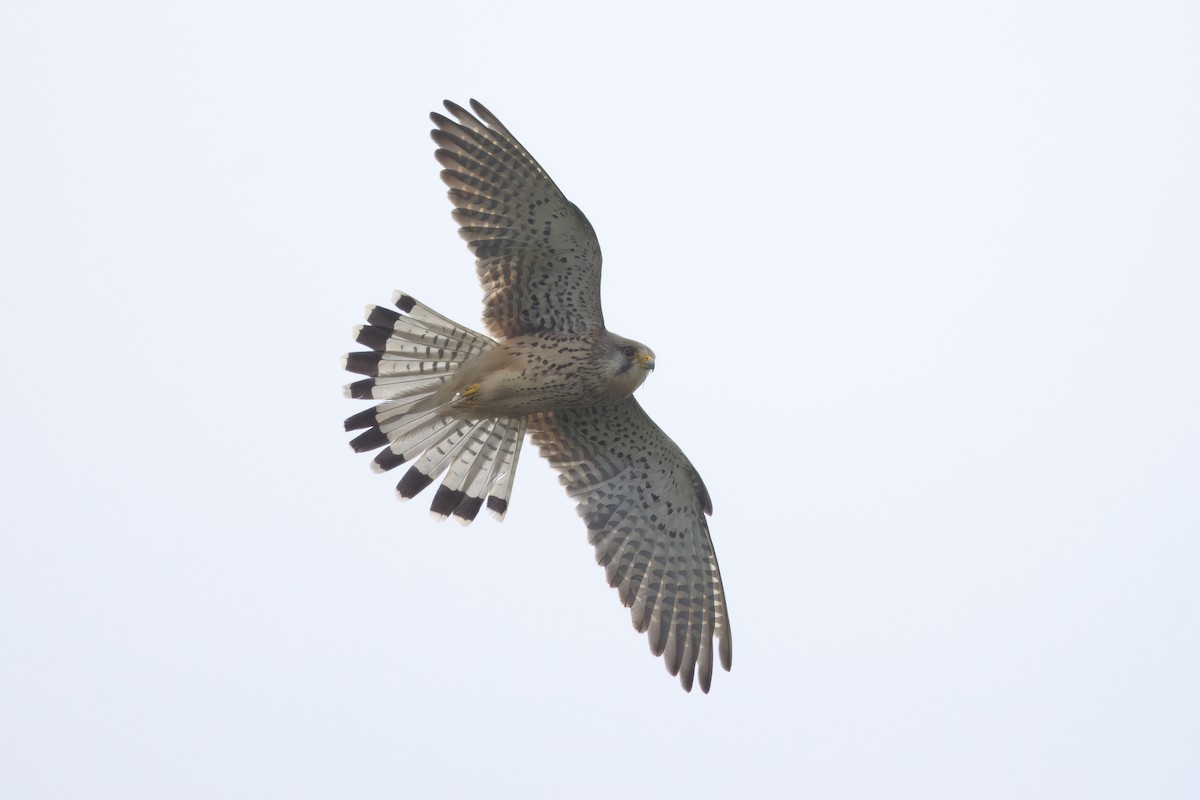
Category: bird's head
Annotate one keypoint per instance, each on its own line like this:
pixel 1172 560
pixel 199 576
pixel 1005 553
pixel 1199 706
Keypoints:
pixel 624 363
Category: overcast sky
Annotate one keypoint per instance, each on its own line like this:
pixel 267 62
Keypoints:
pixel 923 283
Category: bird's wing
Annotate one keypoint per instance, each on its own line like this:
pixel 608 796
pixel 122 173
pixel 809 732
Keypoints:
pixel 644 506
pixel 536 254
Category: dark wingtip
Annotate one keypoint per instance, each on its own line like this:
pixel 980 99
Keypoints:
pixel 446 500
pixel 363 363
pixel 371 439
pixel 363 419
pixel 702 493
pixel 413 483
pixel 480 110
pixel 496 505
pixel 373 336
pixel 405 303
pixel 362 390
pixel 455 109
pixel 468 509
pixel 449 159
pixel 383 317
pixel 386 459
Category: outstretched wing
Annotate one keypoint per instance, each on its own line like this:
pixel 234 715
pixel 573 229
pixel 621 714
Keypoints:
pixel 536 254
pixel 644 506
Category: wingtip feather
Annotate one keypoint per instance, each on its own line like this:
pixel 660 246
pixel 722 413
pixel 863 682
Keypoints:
pixel 497 506
pixel 404 302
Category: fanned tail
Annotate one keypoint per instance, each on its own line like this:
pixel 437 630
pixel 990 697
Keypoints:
pixel 412 354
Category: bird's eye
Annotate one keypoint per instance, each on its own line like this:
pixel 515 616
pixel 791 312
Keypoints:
pixel 628 352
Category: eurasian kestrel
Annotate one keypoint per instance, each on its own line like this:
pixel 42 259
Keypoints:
pixel 456 402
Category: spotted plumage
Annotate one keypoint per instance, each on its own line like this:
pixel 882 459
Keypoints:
pixel 456 403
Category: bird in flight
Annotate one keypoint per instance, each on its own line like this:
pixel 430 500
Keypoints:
pixel 455 404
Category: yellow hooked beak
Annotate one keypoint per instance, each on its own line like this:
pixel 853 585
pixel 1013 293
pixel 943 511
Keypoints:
pixel 647 362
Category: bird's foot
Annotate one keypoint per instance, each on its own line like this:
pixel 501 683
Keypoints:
pixel 466 397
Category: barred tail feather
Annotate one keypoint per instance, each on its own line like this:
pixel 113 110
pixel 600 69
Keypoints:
pixel 412 354
pixel 505 468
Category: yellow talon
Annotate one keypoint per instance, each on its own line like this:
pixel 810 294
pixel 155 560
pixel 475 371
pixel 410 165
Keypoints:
pixel 466 398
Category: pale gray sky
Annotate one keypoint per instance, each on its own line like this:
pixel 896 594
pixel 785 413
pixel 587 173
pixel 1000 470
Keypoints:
pixel 922 279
